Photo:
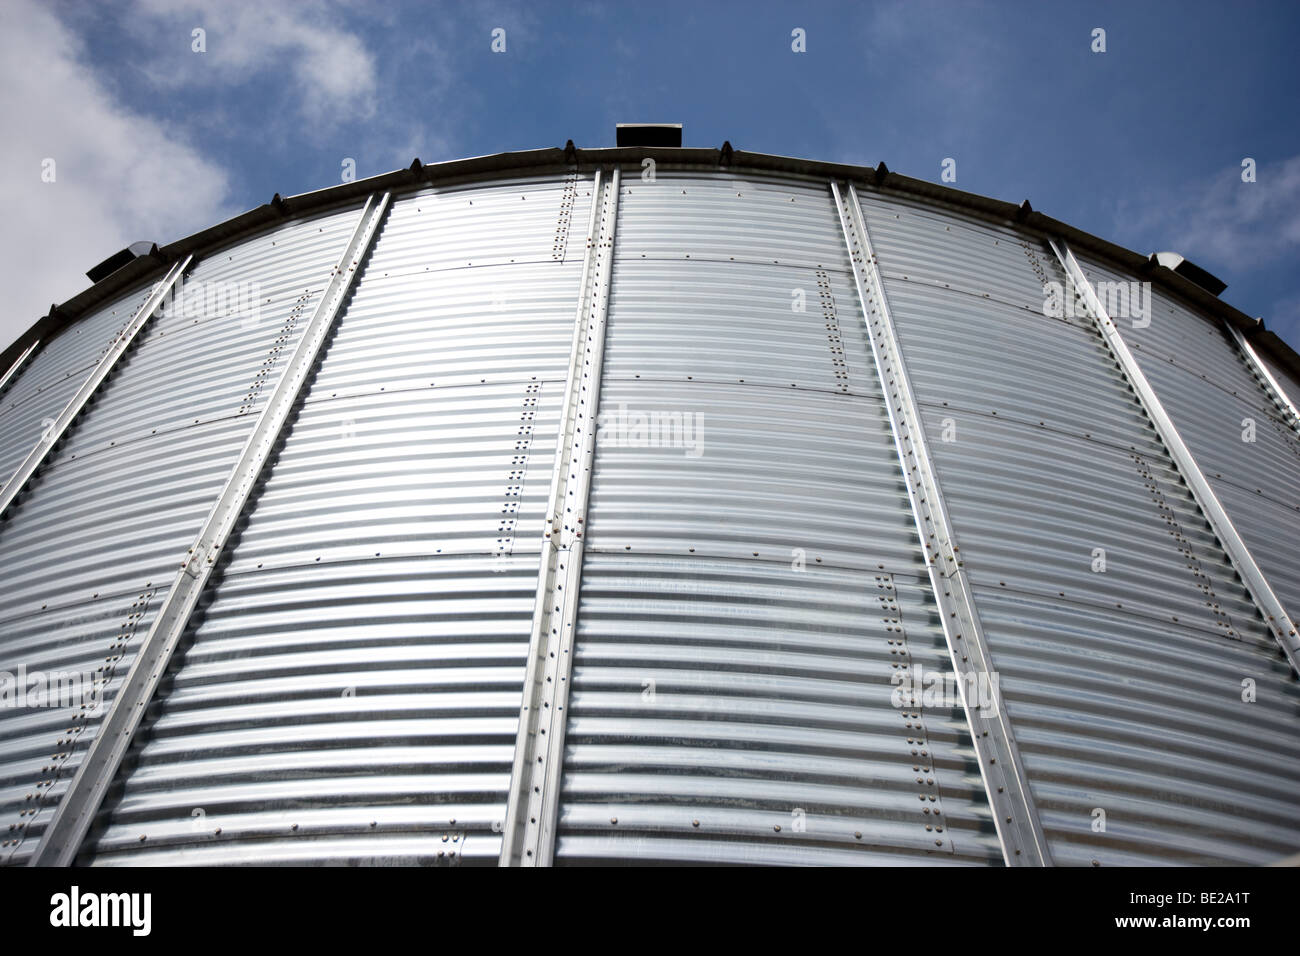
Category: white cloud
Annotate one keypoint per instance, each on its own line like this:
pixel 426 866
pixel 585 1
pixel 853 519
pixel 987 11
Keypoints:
pixel 331 71
pixel 119 176
pixel 1223 222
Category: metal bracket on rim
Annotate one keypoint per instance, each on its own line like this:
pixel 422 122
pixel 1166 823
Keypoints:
pixel 55 433
pixel 1275 615
pixel 1014 813
pixel 72 818
pixel 532 805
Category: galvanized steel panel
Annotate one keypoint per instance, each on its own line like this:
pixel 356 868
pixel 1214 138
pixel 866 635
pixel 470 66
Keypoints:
pixel 1236 442
pixel 1044 455
pixel 730 711
pixel 1272 531
pixel 1243 442
pixel 735 323
pixel 758 473
pixel 110 515
pixel 1147 721
pixel 190 370
pixel 45 385
pixel 490 325
pixel 351 694
pixel 944 249
pixel 1287 379
pixel 1165 330
pixel 1015 366
pixel 346 712
pixel 752 578
pixel 752 585
pixel 480 224
pixel 728 216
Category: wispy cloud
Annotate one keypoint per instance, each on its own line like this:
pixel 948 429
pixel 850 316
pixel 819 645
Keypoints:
pixel 1222 222
pixel 117 176
pixel 330 71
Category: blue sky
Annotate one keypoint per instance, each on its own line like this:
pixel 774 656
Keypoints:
pixel 1141 144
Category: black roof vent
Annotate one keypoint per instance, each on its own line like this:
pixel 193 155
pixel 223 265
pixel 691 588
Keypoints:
pixel 649 134
pixel 1191 271
pixel 118 259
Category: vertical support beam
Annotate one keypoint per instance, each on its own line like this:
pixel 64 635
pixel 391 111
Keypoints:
pixel 1014 813
pixel 77 809
pixel 55 433
pixel 17 366
pixel 532 806
pixel 1275 615
pixel 1272 387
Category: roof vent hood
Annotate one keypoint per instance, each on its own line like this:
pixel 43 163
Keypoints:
pixel 649 134
pixel 1191 271
pixel 118 259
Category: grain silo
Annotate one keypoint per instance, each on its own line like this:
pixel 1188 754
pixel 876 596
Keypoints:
pixel 648 504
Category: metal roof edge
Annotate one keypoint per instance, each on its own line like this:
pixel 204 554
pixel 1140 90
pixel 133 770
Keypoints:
pixel 879 178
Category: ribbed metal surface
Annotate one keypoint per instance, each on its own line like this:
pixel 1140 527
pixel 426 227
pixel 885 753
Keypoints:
pixel 752 586
pixel 1242 440
pixel 833 489
pixel 1146 721
pixel 1288 380
pixel 728 217
pixel 734 711
pixel 107 521
pixel 40 390
pixel 1044 455
pixel 752 580
pixel 771 327
pixel 343 712
pixel 481 224
pixel 931 247
pixel 351 694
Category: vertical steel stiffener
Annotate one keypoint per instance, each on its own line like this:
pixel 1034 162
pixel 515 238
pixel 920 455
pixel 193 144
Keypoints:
pixel 533 801
pixel 50 439
pixel 1275 391
pixel 77 808
pixel 1274 614
pixel 1019 830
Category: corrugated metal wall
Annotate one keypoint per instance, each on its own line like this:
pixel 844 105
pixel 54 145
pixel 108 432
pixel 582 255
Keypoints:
pixel 1242 440
pixel 45 384
pixel 753 584
pixel 753 578
pixel 1288 381
pixel 351 693
pixel 90 553
pixel 1124 685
